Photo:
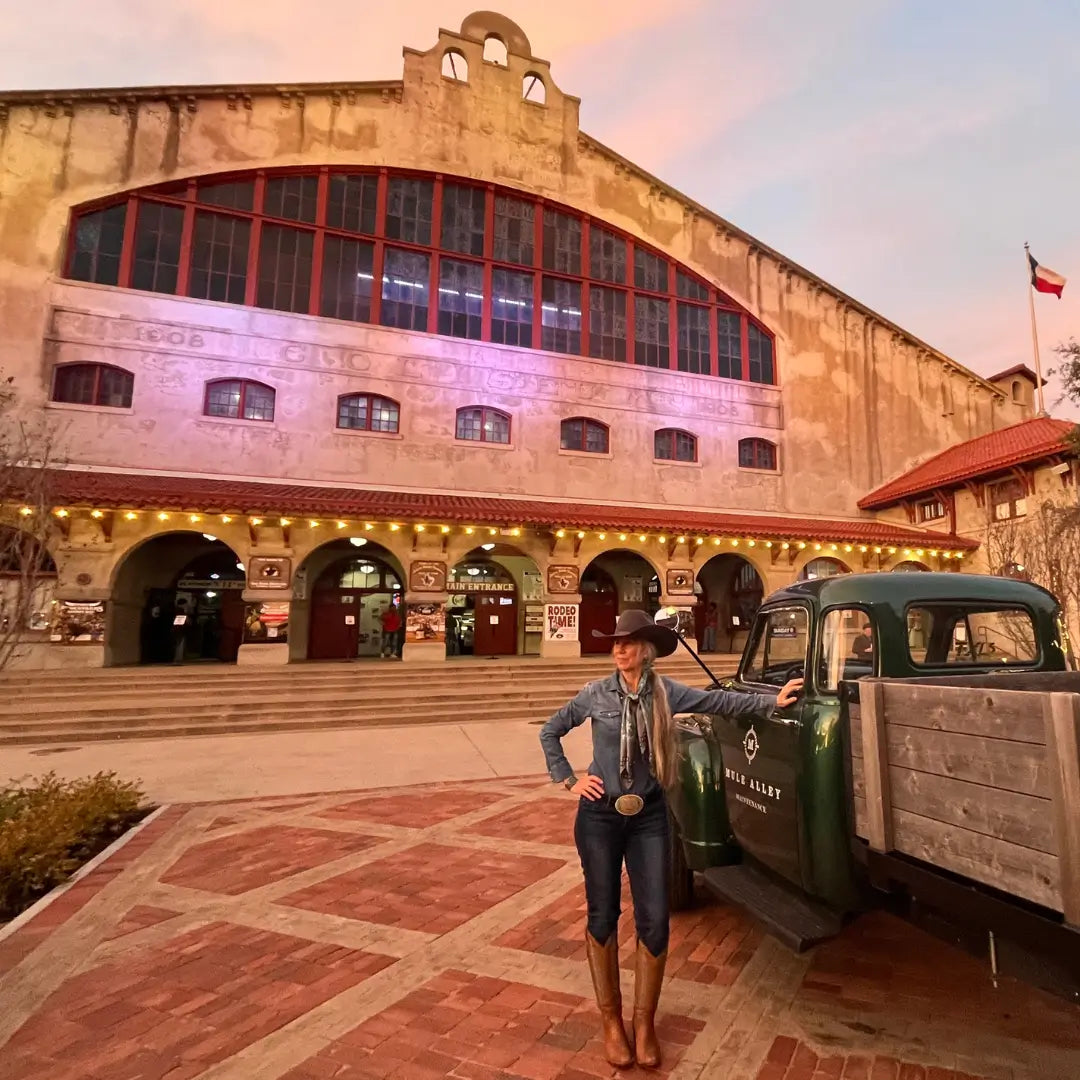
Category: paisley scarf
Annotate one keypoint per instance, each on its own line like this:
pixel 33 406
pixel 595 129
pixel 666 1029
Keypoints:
pixel 635 728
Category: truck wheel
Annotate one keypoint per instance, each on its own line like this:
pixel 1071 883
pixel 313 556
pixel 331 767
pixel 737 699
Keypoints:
pixel 680 876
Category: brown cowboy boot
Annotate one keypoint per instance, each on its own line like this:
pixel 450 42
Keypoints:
pixel 604 967
pixel 648 975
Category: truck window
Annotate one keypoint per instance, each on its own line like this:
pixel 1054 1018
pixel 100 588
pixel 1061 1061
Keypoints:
pixel 780 642
pixel 961 635
pixel 848 648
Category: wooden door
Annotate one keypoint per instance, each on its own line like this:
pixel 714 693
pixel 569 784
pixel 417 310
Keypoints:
pixel 231 635
pixel 332 636
pixel 599 611
pixel 495 633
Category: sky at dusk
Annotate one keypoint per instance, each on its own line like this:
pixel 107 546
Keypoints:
pixel 903 150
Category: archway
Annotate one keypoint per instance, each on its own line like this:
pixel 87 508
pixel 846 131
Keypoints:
pixel 176 598
pixel 910 567
pixel 731 593
pixel 492 591
pixel 612 583
pixel 354 583
pixel 823 567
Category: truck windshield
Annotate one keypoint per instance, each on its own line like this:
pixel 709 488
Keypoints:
pixel 961 635
pixel 778 652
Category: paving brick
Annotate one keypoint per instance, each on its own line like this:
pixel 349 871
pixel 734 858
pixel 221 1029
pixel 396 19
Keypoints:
pixel 543 821
pixel 140 917
pixel 413 811
pixel 430 887
pixel 248 860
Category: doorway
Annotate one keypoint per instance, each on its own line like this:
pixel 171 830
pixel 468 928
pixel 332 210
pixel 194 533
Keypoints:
pixel 348 602
pixel 612 583
pixel 482 612
pixel 731 591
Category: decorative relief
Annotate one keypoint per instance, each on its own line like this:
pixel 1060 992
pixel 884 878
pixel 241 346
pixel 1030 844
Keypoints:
pixel 562 579
pixel 269 572
pixel 427 577
pixel 680 583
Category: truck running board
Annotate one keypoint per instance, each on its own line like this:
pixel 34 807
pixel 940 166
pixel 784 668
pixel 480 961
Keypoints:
pixel 797 922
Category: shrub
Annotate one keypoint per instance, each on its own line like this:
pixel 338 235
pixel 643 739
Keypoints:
pixel 49 827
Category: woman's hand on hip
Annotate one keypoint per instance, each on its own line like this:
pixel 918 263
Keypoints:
pixel 589 787
pixel 789 693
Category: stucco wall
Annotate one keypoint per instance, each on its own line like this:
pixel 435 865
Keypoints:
pixel 858 401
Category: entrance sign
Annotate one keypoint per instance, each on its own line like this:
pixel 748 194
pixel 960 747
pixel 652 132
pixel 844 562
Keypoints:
pixel 561 622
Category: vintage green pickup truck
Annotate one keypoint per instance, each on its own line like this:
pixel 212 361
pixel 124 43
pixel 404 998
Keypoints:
pixel 932 755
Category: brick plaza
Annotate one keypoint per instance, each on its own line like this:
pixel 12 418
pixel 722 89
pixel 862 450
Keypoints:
pixel 436 932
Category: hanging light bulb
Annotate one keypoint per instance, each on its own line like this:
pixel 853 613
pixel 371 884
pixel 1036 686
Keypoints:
pixel 395 528
pixel 131 515
pixel 341 525
pixel 622 536
pixel 163 516
pixel 26 511
pixel 444 529
pixel 357 541
pixel 716 541
pixel 560 533
pixel 313 524
pixel 681 540
pixel 368 527
pixel 642 538
pixel 99 514
pixel 193 518
pixel 581 536
pixel 419 528
pixel 61 513
pixel 662 539
pixel 602 536
pixel 285 522
pixel 225 519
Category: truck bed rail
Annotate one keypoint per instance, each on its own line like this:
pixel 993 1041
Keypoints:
pixel 977 775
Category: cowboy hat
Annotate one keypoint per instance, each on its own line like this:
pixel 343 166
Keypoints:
pixel 637 624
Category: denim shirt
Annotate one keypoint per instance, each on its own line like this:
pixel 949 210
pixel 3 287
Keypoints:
pixel 600 702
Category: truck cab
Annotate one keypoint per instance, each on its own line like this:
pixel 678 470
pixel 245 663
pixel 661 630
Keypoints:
pixel 764 810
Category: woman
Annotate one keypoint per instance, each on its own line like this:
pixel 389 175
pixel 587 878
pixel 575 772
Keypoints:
pixel 622 813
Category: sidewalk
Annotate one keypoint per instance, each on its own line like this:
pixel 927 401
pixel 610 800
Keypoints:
pixel 435 933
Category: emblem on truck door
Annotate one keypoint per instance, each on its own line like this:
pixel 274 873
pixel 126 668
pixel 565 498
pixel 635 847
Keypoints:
pixel 750 745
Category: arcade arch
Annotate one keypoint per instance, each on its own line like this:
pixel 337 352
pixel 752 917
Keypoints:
pixel 612 583
pixel 176 597
pixel 910 566
pixel 822 567
pixel 344 588
pixel 492 590
pixel 731 591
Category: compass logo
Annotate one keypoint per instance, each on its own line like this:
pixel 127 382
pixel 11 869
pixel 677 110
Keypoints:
pixel 750 746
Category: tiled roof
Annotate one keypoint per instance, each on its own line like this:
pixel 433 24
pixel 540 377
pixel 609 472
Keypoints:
pixel 189 494
pixel 986 455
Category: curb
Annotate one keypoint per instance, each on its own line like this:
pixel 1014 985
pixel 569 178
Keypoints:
pixel 35 909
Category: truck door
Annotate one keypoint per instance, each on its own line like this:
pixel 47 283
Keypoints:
pixel 762 759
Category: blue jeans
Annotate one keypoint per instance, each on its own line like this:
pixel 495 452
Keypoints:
pixel 604 838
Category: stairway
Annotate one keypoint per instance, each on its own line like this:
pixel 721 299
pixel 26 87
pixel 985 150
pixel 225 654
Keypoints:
pixel 62 707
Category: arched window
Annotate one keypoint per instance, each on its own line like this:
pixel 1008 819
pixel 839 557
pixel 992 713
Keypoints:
pixel 455 66
pixel 495 50
pixel 481 424
pixel 671 444
pixel 368 412
pixel 534 89
pixel 588 436
pixel 425 253
pixel 823 568
pixel 93 384
pixel 757 454
pixel 910 567
pixel 239 399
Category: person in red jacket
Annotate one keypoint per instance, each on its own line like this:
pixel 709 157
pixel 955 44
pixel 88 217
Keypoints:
pixel 391 626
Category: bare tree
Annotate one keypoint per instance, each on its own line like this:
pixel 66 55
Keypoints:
pixel 1044 547
pixel 1068 370
pixel 26 521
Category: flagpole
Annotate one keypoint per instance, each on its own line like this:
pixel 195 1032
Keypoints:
pixel 1034 333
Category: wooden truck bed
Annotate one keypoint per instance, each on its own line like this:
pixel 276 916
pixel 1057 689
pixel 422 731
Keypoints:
pixel 977 775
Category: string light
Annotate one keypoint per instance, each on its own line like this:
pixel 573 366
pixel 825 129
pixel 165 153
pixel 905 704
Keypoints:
pixel 26 511
pixel 492 532
pixel 131 515
pixel 768 543
pixel 892 551
pixel 163 516
pixel 395 528
pixel 750 543
pixel 734 543
pixel 700 540
pixel 785 546
pixel 469 530
pixel 681 540
pixel 933 553
pixel 97 513
pixel 862 548
pixel 313 524
pixel 517 532
pixel 833 547
pixel 581 536
pixel 801 544
pixel 419 528
pixel 642 538
pixel 444 529
pixel 716 541
pixel 602 536
pixel 61 513
pixel 368 526
pixel 622 536
pixel 919 552
pixel 560 533
pixel 341 525
pixel 193 518
pixel 256 521
pixel 285 522
pixel 662 539
pixel 817 547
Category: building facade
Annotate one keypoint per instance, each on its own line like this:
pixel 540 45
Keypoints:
pixel 309 353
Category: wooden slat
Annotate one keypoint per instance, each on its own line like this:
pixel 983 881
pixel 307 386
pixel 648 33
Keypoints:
pixel 1024 820
pixel 860 816
pixel 996 714
pixel 855 728
pixel 1011 766
pixel 1040 682
pixel 1062 718
pixel 1008 867
pixel 875 749
pixel 858 781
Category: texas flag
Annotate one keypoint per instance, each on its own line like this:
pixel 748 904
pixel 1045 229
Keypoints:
pixel 1045 280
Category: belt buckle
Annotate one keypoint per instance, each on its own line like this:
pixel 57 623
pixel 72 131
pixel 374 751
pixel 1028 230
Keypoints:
pixel 629 805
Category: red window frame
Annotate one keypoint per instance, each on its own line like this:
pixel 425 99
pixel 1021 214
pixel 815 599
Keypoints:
pixel 245 386
pixel 485 411
pixel 682 286
pixel 586 422
pixel 1006 493
pixel 370 399
pixel 99 371
pixel 762 453
pixel 931 510
pixel 673 435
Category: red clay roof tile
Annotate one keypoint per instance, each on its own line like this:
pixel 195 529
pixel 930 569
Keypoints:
pixel 190 494
pixel 986 455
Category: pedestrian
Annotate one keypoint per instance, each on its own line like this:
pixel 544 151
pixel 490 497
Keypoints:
pixel 391 624
pixel 622 813
pixel 712 617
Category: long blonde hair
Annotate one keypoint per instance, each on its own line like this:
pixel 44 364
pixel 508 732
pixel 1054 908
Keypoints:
pixel 661 725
